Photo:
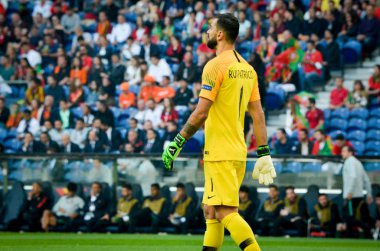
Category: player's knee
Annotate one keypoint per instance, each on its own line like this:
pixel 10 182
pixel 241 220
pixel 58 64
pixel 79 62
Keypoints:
pixel 209 212
pixel 223 211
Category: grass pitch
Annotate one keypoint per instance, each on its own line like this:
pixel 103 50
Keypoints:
pixel 121 242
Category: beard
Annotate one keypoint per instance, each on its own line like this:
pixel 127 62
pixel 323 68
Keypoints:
pixel 212 43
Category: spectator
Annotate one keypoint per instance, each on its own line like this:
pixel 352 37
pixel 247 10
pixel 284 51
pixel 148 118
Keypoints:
pixel 134 75
pixel 174 51
pixel 96 71
pixel 48 143
pixel 80 37
pixel 326 215
pixel 76 96
pixel 65 115
pixel 55 90
pixel 350 28
pixel 61 71
pixel 293 215
pixel 29 145
pixel 368 31
pixel 149 90
pixel 65 210
pixel 292 23
pixel 68 146
pixel 314 25
pixel 183 94
pixel 4 112
pixel 104 26
pixel 153 144
pixel 107 92
pixel 374 86
pixel 303 146
pixel 70 20
pixel 95 208
pixel 113 137
pixel 15 116
pixel 314 115
pixel 48 49
pixel 117 71
pixel 42 7
pixel 270 211
pixel 7 71
pixel 148 49
pixel 99 172
pixel 358 96
pixel 247 208
pixel 322 144
pixel 159 68
pixel 182 209
pixel 339 95
pixel 126 98
pixel 78 135
pixel 153 113
pixel 135 141
pixel 245 27
pixel 34 91
pixel 121 31
pixel 186 69
pixel 27 124
pixel 111 10
pixel 85 57
pixel 152 212
pixel 169 114
pixel 283 144
pixel 104 113
pixel 93 144
pixel 78 71
pixel 88 118
pixel 355 180
pixel 57 132
pixel 33 57
pixel 127 209
pixel 170 133
pixel 312 66
pixel 36 204
pixel 332 57
pixel 333 25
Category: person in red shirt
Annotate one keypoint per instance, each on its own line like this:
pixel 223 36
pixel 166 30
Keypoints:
pixel 374 85
pixel 312 66
pixel 126 98
pixel 169 114
pixel 338 95
pixel 314 116
pixel 340 142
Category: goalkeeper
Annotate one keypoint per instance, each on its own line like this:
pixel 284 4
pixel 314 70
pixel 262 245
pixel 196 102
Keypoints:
pixel 229 88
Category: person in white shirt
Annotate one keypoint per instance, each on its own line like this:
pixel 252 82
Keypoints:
pixel 140 116
pixel 120 32
pixel 159 68
pixel 245 27
pixel 70 20
pixel 43 7
pixel 57 132
pixel 65 210
pixel 130 49
pixel 99 173
pixel 79 134
pixel 153 113
pixel 34 58
pixel 133 73
pixel 28 124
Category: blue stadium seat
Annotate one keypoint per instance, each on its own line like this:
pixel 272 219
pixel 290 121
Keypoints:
pixel 360 113
pixel 357 124
pixel 373 145
pixel 3 134
pixel 337 124
pixel 374 123
pixel 373 135
pixel 135 89
pixel 275 98
pixel 333 134
pixel 292 167
pixel 359 147
pixel 200 137
pixel 77 112
pixel 356 135
pixel 12 144
pixel 11 134
pixel 327 114
pixel 277 166
pixel 312 167
pixel 372 166
pixel 351 52
pixel 341 113
pixel 116 112
pixel 375 112
pixel 372 153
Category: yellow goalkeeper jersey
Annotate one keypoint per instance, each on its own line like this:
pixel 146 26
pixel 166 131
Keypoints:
pixel 231 83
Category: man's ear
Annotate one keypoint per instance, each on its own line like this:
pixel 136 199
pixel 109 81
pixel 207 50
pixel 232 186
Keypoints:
pixel 220 35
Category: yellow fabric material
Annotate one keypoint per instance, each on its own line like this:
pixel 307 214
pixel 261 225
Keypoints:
pixel 181 207
pixel 124 206
pixel 324 214
pixel 222 182
pixel 270 206
pixel 292 207
pixel 244 205
pixel 154 205
pixel 231 85
pixel 240 231
pixel 214 234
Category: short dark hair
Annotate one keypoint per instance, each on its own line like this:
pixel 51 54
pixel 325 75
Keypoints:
pixel 378 195
pixel 127 186
pixel 282 130
pixel 72 187
pixel 322 194
pixel 155 185
pixel 80 119
pixel 321 131
pixel 229 24
pixel 312 101
pixel 244 189
pixel 289 187
pixel 340 136
pixel 180 185
pixel 98 184
pixel 305 131
pixel 273 186
pixel 349 149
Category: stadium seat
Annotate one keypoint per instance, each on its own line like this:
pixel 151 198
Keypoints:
pixel 275 99
pixel 357 124
pixel 14 202
pixel 137 192
pixel 135 89
pixel 372 153
pixel 337 124
pixel 333 134
pixel 342 113
pixel 277 166
pixel 327 114
pixel 311 197
pixel 360 113
pixel 374 123
pixel 3 134
pixel 375 113
pixel 359 147
pixel 47 188
pixel 312 167
pixel 12 144
pixel 292 167
pixel 77 112
pixel 200 137
pixel 373 146
pixel 372 135
pixel 351 52
pixel 11 134
pixel 372 166
pixel 356 135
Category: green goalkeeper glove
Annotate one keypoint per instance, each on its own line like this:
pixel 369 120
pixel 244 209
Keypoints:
pixel 172 151
pixel 264 170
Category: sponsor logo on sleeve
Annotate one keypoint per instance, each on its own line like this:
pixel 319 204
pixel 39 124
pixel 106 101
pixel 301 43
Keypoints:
pixel 207 87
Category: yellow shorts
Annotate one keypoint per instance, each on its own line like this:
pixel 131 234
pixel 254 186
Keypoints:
pixel 222 182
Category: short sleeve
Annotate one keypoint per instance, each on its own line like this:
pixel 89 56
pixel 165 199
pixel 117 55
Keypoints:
pixel 212 79
pixel 255 95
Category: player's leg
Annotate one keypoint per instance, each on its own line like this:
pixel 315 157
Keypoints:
pixel 228 180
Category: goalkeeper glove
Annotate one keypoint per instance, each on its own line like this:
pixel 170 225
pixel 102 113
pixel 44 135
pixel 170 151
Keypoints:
pixel 172 151
pixel 264 170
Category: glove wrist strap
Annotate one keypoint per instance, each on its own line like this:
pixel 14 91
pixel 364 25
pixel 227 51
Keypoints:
pixel 263 151
pixel 180 140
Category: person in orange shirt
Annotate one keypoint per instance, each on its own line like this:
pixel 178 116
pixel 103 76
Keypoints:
pixel 149 89
pixel 34 91
pixel 126 98
pixel 15 116
pixel 78 72
pixel 104 26
pixel 165 90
